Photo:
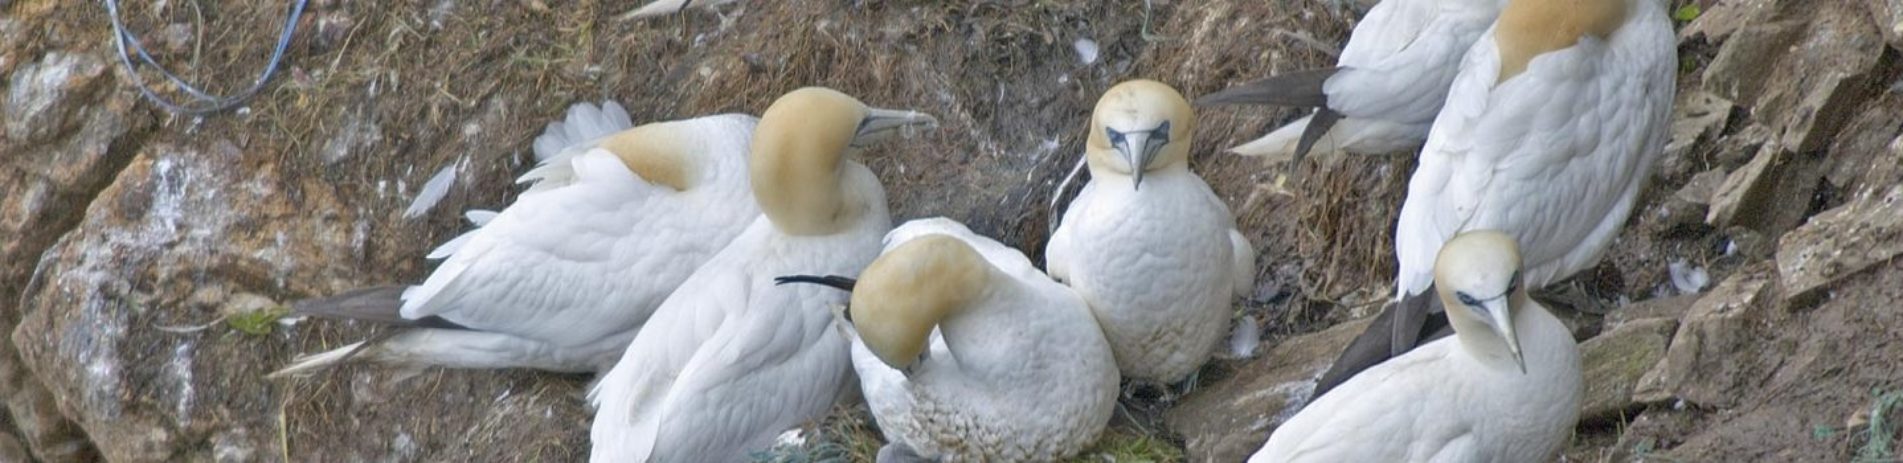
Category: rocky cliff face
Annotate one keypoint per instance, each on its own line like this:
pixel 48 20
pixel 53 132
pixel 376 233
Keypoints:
pixel 137 248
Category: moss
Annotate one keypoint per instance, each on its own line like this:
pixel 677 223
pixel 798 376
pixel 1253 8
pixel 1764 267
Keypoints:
pixel 257 322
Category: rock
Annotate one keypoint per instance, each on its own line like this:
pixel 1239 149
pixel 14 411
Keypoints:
pixel 1718 22
pixel 10 448
pixel 1231 419
pixel 1888 15
pixel 1798 94
pixel 1806 98
pixel 1650 433
pixel 189 231
pixel 1671 308
pixel 1739 71
pixel 1792 381
pixel 1866 157
pixel 1841 242
pixel 1698 366
pixel 1698 118
pixel 1702 187
pixel 36 105
pixel 46 185
pixel 1746 189
pixel 1771 194
pixel 1613 362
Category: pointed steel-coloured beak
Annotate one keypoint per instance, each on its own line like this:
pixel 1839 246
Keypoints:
pixel 1137 151
pixel 880 123
pixel 1501 317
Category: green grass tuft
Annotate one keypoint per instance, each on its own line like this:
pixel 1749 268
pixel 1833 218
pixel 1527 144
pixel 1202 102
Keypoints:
pixel 1687 13
pixel 1880 446
pixel 257 322
pixel 1125 446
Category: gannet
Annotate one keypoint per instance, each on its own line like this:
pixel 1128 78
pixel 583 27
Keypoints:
pixel 729 361
pixel 561 279
pixel 1015 369
pixel 1146 243
pixel 1385 89
pixel 1506 387
pixel 1554 124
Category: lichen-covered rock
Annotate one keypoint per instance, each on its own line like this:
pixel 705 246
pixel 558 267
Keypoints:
pixel 38 102
pixel 1700 366
pixel 1230 420
pixel 1841 242
pixel 1613 362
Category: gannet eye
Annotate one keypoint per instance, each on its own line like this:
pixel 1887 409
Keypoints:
pixel 1161 135
pixel 1468 300
pixel 1116 138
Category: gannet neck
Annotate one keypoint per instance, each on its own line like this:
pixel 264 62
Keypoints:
pixel 1528 28
pixel 659 153
pixel 800 147
pixel 1139 126
pixel 909 290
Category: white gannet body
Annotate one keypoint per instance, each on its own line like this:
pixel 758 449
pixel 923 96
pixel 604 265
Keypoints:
pixel 563 278
pixel 729 360
pixel 1551 129
pixel 1146 243
pixel 1553 126
pixel 1385 89
pixel 1505 388
pixel 1016 369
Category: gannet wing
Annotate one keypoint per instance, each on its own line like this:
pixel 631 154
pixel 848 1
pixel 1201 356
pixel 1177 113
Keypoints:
pixel 761 373
pixel 630 398
pixel 548 250
pixel 1395 64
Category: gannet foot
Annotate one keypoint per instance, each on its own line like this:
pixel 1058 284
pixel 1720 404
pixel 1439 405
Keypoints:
pixel 1184 387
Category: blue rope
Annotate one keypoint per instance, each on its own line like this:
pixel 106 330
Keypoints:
pixel 206 102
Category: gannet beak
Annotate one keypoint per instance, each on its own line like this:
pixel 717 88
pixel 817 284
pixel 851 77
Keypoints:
pixel 1501 317
pixel 881 122
pixel 1137 150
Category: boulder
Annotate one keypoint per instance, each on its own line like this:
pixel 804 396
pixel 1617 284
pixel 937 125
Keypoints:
pixel 1613 362
pixel 1230 420
pixel 1841 242
pixel 1701 364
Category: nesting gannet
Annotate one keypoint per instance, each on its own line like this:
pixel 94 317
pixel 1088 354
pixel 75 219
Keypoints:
pixel 1505 387
pixel 1016 369
pixel 1146 243
pixel 1551 129
pixel 1384 90
pixel 561 279
pixel 729 360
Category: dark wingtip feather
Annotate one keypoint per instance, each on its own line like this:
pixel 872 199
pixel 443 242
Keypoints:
pixel 1399 328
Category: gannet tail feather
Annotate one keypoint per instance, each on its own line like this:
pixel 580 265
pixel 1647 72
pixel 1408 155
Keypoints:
pixel 1299 88
pixel 376 304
